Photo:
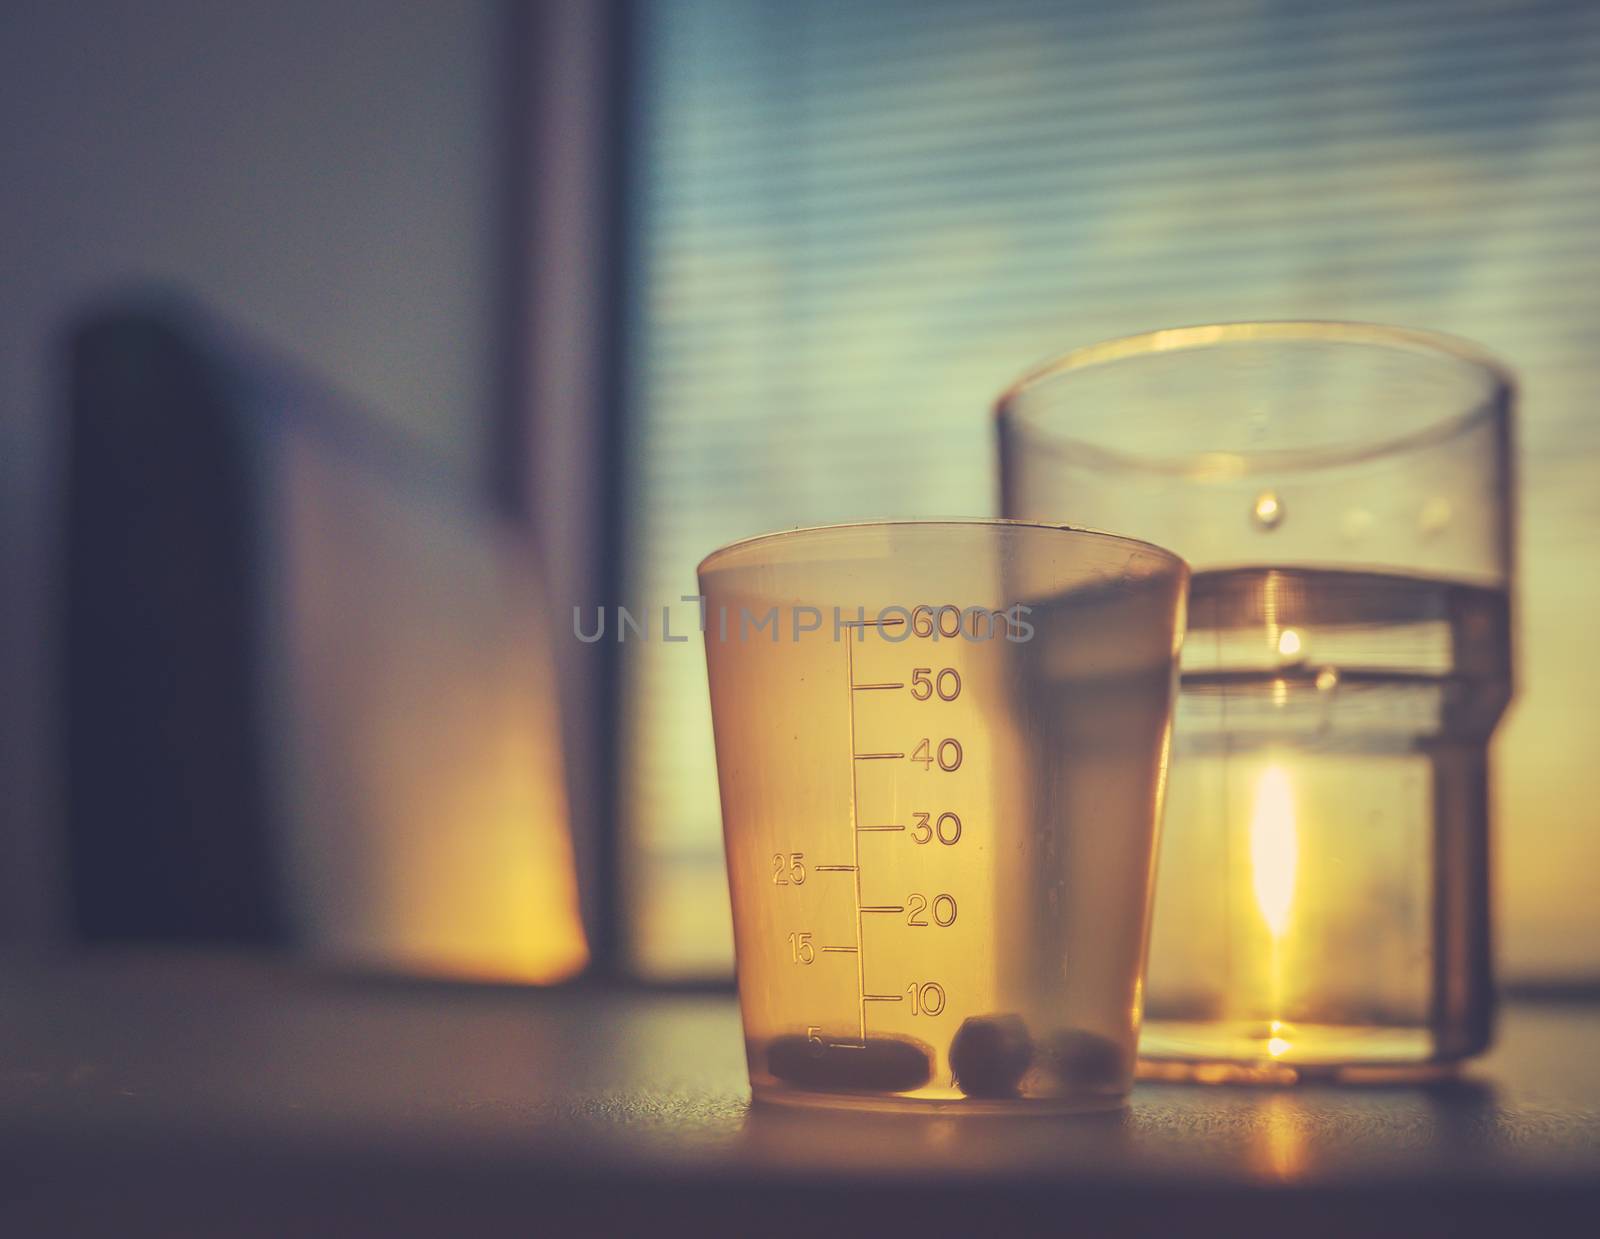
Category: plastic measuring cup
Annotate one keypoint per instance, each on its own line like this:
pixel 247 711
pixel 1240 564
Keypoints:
pixel 942 749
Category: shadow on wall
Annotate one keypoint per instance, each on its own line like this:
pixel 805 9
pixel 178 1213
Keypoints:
pixel 307 692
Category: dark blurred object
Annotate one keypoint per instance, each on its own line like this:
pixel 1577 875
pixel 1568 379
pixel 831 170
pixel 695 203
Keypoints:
pixel 307 690
pixel 167 817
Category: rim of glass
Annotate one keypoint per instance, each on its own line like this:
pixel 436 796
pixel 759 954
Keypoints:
pixel 1502 386
pixel 992 522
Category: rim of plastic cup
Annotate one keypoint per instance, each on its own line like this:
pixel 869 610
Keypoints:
pixel 708 563
pixel 1502 392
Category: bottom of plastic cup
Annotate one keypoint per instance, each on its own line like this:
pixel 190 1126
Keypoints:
pixel 890 1104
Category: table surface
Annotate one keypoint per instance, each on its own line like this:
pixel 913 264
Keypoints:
pixel 164 1094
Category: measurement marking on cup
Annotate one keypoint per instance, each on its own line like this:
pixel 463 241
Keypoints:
pixel 839 950
pixel 833 868
pixel 855 839
pixel 856 828
pixel 887 907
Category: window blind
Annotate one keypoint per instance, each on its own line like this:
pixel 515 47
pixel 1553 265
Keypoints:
pixel 857 222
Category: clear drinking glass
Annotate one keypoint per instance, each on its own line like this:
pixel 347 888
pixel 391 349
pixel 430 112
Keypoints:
pixel 1344 495
pixel 941 749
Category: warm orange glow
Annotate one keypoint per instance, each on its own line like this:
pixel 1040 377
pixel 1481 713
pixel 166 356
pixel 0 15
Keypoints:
pixel 1288 643
pixel 1283 1149
pixel 429 822
pixel 1274 849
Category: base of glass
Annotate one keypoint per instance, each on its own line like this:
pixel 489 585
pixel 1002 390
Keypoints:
pixel 1245 1052
pixel 896 1103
